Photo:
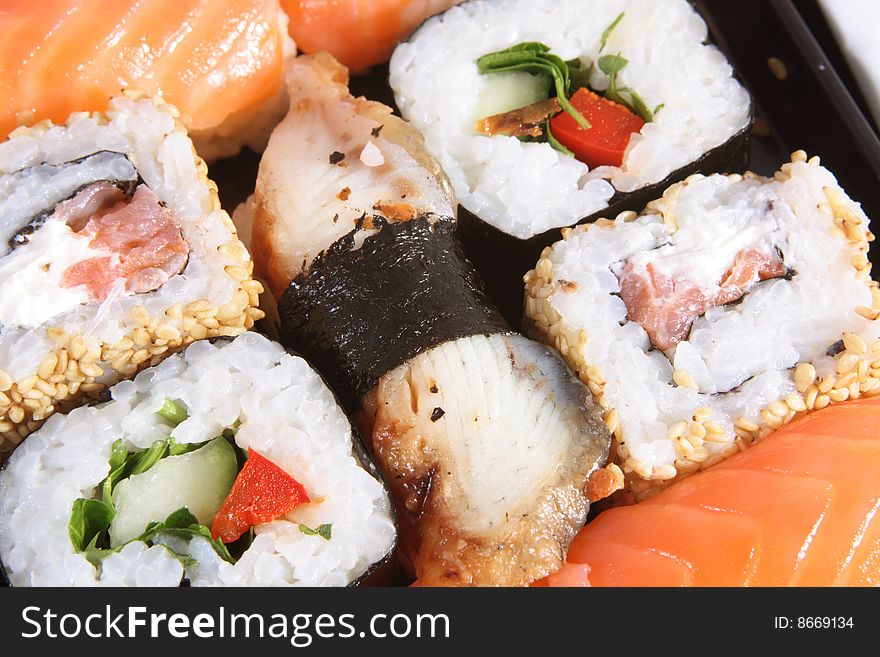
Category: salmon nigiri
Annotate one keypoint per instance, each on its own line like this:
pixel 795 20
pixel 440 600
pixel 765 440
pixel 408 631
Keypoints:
pixel 220 63
pixel 359 33
pixel 797 509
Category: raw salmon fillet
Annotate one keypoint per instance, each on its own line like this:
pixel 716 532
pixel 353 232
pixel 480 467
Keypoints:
pixel 210 58
pixel 797 509
pixel 359 33
pixel 666 307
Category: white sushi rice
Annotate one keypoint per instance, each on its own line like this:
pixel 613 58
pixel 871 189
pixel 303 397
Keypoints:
pixel 738 359
pixel 287 414
pixel 527 188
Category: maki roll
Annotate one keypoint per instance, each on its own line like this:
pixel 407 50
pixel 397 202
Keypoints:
pixel 726 309
pixel 228 464
pixel 546 115
pixel 114 252
pixel 486 438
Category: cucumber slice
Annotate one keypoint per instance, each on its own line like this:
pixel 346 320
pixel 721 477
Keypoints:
pixel 199 480
pixel 503 92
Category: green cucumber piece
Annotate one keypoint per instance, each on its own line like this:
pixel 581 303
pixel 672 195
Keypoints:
pixel 503 92
pixel 198 480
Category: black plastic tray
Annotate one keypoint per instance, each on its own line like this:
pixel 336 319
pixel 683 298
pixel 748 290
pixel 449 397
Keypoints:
pixel 802 104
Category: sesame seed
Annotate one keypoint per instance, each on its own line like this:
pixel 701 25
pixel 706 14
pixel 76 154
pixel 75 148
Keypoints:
pixel 236 273
pixel 47 367
pixel 746 425
pixel 677 430
pixel 839 394
pixel 61 363
pixel 714 427
pixel 117 363
pixel 827 383
pixel 778 408
pixel 702 414
pixel 684 379
pixel 141 315
pixel 796 403
pixel 140 356
pixel 847 362
pixel 167 332
pixel 595 374
pixel 845 380
pixel 804 376
pixel 92 369
pixel 612 420
pixel 868 313
pixel 26 384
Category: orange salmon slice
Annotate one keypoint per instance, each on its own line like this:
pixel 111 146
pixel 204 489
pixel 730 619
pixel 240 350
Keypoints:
pixel 799 508
pixel 211 59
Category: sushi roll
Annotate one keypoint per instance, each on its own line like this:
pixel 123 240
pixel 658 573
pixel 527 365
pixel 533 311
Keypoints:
pixel 220 63
pixel 799 509
pixel 486 438
pixel 546 115
pixel 114 252
pixel 229 464
pixel 729 307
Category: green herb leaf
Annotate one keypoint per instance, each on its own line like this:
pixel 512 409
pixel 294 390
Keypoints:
pixel 95 555
pixel 145 460
pixel 184 525
pixel 324 531
pixel 110 482
pixel 554 142
pixel 181 519
pixel 173 412
pixel 535 58
pixel 639 106
pixel 609 30
pixel 118 468
pixel 611 65
pixel 176 449
pixel 580 76
pixel 88 520
pixel 659 107
pixel 118 454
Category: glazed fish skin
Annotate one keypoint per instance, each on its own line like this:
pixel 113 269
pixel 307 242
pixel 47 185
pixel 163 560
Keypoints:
pixel 797 509
pixel 321 144
pixel 487 443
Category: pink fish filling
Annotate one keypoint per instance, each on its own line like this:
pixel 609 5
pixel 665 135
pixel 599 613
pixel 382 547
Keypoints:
pixel 666 307
pixel 141 242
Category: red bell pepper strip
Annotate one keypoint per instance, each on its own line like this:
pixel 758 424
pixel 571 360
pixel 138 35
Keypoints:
pixel 261 493
pixel 604 143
